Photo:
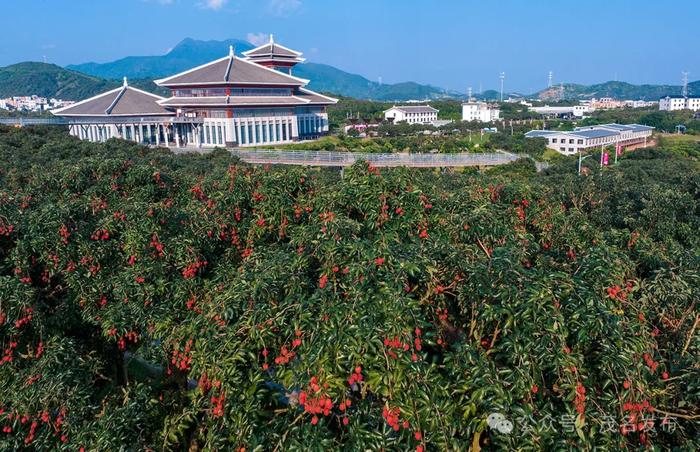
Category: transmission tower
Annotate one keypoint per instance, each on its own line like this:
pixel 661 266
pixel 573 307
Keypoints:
pixel 502 76
pixel 685 83
pixel 469 94
pixel 549 84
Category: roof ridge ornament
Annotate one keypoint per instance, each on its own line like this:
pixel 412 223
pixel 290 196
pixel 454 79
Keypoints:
pixel 272 38
pixel 231 51
pixel 125 83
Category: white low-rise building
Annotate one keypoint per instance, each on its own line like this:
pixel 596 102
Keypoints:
pixel 412 114
pixel 577 111
pixel 672 103
pixel 583 138
pixel 480 111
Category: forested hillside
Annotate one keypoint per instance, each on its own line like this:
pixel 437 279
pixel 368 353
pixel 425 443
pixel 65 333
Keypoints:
pixel 158 302
pixel 49 80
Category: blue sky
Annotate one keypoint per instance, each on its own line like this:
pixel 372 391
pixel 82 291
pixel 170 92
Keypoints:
pixel 447 43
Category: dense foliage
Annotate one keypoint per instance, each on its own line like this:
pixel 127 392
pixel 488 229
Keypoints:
pixel 154 301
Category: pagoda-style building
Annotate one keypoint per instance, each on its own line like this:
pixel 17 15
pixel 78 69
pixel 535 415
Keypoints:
pixel 232 101
pixel 275 56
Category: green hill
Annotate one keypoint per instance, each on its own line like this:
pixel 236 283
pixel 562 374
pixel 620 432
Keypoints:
pixel 614 89
pixel 49 80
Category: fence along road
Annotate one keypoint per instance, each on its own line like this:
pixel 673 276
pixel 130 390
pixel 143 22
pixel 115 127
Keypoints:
pixel 330 158
pixel 342 159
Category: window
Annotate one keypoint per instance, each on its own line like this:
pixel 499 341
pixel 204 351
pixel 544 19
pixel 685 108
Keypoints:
pixel 221 138
pixel 580 141
pixel 571 149
pixel 251 139
pixel 208 134
pixel 562 149
pixel 554 140
pixel 264 133
pixel 571 141
pixel 284 132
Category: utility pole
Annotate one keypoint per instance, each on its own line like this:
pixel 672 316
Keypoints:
pixel 502 76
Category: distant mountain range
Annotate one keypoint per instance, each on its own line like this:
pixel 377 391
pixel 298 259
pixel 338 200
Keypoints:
pixel 187 54
pixel 80 81
pixel 617 90
pixel 190 53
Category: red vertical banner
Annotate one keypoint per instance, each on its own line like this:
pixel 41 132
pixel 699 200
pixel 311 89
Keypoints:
pixel 605 158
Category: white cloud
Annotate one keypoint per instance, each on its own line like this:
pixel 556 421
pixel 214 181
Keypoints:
pixel 283 7
pixel 257 39
pixel 213 4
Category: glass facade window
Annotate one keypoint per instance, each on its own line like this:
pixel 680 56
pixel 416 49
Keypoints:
pixel 208 133
pixel 221 139
pixel 261 92
pixel 261 112
pixel 200 92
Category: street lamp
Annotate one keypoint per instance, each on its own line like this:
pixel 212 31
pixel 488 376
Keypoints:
pixel 581 158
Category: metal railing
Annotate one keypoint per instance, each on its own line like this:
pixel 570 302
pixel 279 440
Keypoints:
pixel 327 158
pixel 33 121
pixel 99 121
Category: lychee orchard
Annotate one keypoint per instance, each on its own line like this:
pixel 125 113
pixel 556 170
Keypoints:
pixel 154 301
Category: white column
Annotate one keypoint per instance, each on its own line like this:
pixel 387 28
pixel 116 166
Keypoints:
pixel 229 130
pixel 157 134
pixel 295 128
pixel 238 131
pixel 176 131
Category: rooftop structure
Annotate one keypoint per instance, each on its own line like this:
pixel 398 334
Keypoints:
pixel 275 56
pixel 583 138
pixel 229 102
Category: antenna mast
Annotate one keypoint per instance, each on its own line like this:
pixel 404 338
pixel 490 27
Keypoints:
pixel 549 84
pixel 469 94
pixel 685 83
